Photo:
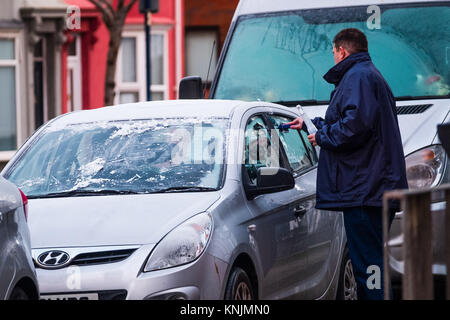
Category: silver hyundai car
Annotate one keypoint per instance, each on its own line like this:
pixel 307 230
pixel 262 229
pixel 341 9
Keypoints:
pixel 186 199
pixel 17 273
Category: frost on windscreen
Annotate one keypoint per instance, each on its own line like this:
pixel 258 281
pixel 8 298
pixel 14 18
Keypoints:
pixel 139 156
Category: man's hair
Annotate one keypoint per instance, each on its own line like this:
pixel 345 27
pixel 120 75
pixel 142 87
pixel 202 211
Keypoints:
pixel 352 40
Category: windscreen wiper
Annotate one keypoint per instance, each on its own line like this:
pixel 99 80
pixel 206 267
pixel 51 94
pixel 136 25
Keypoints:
pixel 184 189
pixel 81 192
pixel 311 102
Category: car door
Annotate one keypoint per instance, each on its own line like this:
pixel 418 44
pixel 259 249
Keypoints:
pixel 276 227
pixel 324 234
pixel 7 209
pixel 4 279
pixel 302 161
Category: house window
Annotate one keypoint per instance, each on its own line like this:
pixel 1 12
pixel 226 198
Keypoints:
pixel 40 89
pixel 200 50
pixel 8 94
pixel 131 76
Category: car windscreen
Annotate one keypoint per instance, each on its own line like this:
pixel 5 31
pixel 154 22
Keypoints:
pixel 283 56
pixel 140 156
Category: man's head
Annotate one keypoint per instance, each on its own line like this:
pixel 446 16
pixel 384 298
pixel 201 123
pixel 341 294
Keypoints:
pixel 348 41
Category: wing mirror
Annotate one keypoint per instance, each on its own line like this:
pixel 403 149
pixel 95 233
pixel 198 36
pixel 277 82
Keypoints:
pixel 269 180
pixel 190 88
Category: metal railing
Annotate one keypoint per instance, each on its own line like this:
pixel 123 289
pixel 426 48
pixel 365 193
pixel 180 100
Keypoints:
pixel 417 278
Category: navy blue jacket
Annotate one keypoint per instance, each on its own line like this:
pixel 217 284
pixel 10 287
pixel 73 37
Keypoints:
pixel 361 153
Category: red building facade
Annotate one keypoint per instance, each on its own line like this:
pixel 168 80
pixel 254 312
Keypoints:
pixel 84 57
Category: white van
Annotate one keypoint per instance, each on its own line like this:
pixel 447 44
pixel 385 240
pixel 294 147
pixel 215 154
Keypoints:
pixel 278 51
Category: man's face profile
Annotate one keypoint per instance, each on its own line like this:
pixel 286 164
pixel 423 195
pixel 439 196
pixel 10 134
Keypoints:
pixel 339 54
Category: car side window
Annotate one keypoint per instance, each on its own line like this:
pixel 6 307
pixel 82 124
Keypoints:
pixel 309 146
pixel 259 151
pixel 299 151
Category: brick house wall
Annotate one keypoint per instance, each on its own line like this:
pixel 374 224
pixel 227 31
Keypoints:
pixel 210 14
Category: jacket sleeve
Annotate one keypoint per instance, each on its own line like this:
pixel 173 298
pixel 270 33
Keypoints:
pixel 318 122
pixel 357 116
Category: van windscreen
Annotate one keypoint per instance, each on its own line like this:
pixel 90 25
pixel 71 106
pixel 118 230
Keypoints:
pixel 283 56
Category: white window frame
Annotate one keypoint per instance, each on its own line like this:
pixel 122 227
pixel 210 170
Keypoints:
pixel 164 88
pixel 132 87
pixel 74 63
pixel 7 155
pixel 139 86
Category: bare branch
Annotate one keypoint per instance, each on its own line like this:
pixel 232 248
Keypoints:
pixel 120 5
pixel 130 5
pixel 108 17
pixel 108 5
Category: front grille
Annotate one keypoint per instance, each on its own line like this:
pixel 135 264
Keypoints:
pixel 93 258
pixel 413 109
pixel 101 257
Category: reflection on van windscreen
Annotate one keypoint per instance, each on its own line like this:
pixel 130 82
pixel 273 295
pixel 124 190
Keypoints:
pixel 283 57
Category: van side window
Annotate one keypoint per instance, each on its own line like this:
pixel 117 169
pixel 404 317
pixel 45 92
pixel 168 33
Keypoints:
pixel 299 151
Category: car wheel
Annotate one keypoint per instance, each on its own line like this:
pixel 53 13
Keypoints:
pixel 19 294
pixel 239 286
pixel 347 283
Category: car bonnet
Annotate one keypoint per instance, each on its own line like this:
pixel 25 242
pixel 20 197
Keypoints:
pixel 112 220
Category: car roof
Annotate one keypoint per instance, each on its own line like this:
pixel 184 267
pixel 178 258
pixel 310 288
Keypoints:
pixel 205 108
pixel 261 6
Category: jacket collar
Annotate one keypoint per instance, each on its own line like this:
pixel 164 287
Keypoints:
pixel 335 74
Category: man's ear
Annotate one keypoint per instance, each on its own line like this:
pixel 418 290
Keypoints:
pixel 344 52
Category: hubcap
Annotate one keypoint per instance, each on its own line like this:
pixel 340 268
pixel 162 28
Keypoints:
pixel 243 292
pixel 349 282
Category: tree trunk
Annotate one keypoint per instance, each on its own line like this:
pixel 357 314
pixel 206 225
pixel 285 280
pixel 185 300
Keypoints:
pixel 114 19
pixel 113 50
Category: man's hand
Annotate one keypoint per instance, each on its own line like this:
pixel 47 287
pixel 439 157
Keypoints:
pixel 296 123
pixel 312 139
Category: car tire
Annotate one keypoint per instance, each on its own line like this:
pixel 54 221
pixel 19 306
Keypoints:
pixel 19 294
pixel 347 283
pixel 239 286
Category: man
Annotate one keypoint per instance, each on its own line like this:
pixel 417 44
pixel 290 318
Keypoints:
pixel 361 154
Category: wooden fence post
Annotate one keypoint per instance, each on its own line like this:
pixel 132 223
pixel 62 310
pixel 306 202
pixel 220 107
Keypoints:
pixel 447 241
pixel 418 252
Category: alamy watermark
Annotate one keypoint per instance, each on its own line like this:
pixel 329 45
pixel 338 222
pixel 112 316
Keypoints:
pixel 73 281
pixel 374 20
pixel 374 280
pixel 73 18
pixel 207 146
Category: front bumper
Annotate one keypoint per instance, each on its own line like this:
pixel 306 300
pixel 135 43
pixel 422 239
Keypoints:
pixel 201 279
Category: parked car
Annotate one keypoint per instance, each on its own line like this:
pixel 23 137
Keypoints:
pixel 17 273
pixel 179 200
pixel 278 51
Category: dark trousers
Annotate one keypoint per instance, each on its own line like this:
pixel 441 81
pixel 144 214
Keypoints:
pixel 364 230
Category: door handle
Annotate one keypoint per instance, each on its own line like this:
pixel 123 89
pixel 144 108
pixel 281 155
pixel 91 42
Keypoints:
pixel 299 211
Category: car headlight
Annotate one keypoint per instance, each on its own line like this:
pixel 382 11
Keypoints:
pixel 424 168
pixel 182 245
